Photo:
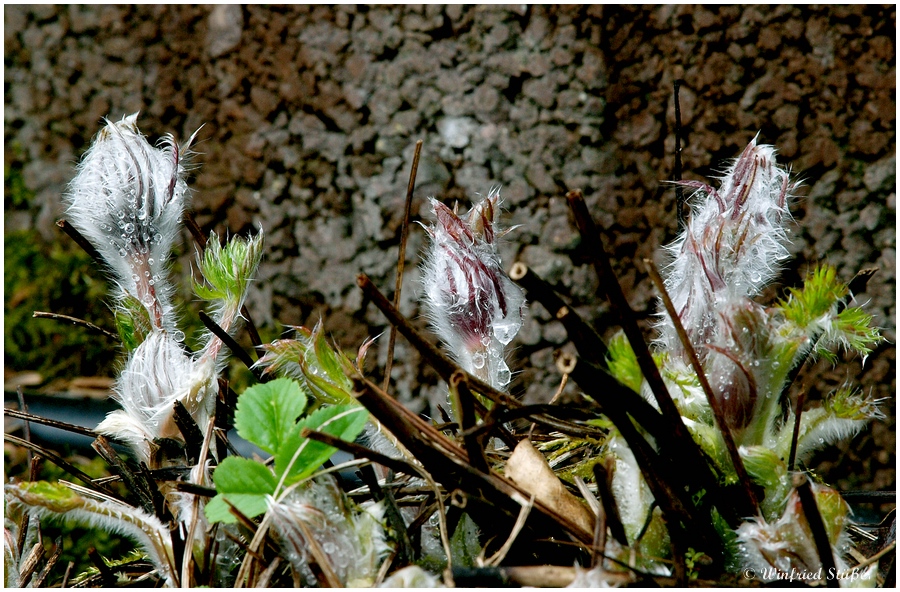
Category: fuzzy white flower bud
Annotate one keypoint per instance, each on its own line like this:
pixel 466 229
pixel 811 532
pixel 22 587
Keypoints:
pixel 127 200
pixel 730 249
pixel 473 306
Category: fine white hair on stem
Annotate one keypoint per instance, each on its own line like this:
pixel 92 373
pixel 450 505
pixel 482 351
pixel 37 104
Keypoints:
pixel 127 200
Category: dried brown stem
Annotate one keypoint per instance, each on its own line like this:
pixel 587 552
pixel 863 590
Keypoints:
pixel 60 462
pixel 588 342
pixel 750 504
pixel 193 437
pixel 358 451
pixel 401 260
pixel 38 581
pixel 231 344
pixel 449 464
pixel 795 436
pixel 135 484
pixel 610 284
pixel 30 417
pixel 75 321
pixel 459 389
pixel 82 242
pixel 817 527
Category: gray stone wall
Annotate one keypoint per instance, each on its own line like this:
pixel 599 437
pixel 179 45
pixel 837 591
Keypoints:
pixel 310 115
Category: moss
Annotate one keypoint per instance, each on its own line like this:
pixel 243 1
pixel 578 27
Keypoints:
pixel 57 278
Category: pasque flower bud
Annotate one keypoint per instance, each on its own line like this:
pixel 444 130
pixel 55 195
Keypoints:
pixel 127 200
pixel 728 252
pixel 473 306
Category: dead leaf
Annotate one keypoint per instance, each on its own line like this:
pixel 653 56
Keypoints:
pixel 528 469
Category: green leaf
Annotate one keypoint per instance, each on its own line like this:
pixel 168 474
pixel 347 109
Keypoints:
pixel 243 482
pixel 623 364
pixel 821 291
pixel 266 413
pixel 299 457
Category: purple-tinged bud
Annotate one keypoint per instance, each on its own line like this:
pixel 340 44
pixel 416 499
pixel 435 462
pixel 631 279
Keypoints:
pixel 473 306
pixel 728 252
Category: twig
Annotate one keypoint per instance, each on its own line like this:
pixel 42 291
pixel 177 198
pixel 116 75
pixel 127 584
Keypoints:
pixel 61 463
pixel 459 389
pixel 193 437
pixel 66 575
pixel 750 503
pixel 358 451
pixel 401 260
pixel 679 190
pixel 869 561
pixel 82 242
pixel 38 582
pixel 30 417
pixel 610 284
pixel 698 474
pixel 795 436
pixel 233 345
pixel 588 342
pixel 817 527
pixel 75 321
pixel 135 485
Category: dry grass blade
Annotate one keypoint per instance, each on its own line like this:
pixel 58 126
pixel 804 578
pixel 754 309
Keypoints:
pixel 358 451
pixel 232 345
pixel 29 417
pixel 61 463
pixel 401 260
pixel 75 321
pixel 817 527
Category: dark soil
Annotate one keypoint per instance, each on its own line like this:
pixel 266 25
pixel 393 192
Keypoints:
pixel 310 115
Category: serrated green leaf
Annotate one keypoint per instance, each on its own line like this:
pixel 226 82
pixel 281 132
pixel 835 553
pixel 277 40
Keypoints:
pixel 299 457
pixel 243 482
pixel 266 413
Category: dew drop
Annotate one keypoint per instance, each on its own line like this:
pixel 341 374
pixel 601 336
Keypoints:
pixel 135 277
pixel 146 274
pixel 178 335
pixel 122 252
pixel 478 360
pixel 129 228
pixel 151 261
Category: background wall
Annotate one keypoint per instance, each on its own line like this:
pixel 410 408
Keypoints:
pixel 310 115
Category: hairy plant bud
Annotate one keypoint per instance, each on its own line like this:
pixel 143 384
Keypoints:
pixel 127 200
pixel 473 306
pixel 728 252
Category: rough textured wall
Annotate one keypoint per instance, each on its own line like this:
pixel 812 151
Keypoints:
pixel 310 115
